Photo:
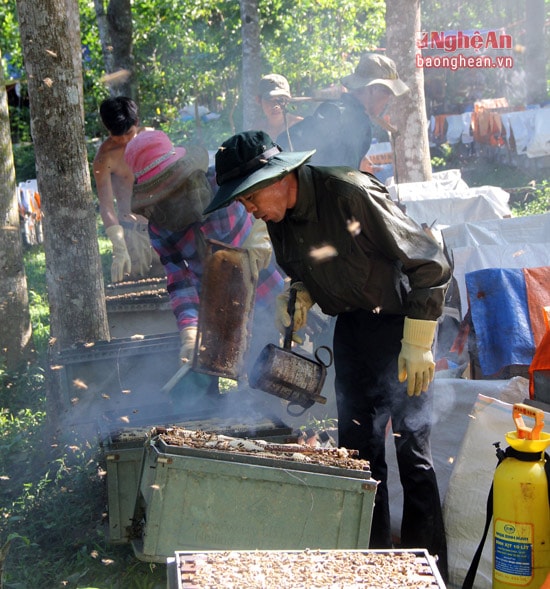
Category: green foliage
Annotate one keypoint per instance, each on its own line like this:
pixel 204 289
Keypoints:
pixel 105 252
pixel 92 68
pixel 20 124
pixel 10 46
pixel 315 43
pixel 187 52
pixel 320 424
pixel 35 262
pixel 53 484
pixel 441 157
pixel 56 511
pixel 25 165
pixel 438 163
pixel 536 201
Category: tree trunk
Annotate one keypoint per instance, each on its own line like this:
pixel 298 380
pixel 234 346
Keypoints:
pixel 74 276
pixel 250 31
pixel 73 25
pixel 104 37
pixel 15 324
pixel 408 114
pixel 119 18
pixel 535 55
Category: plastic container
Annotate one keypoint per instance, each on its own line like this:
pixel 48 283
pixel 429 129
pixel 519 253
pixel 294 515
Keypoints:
pixel 521 511
pixel 209 500
pixel 123 450
pixel 123 466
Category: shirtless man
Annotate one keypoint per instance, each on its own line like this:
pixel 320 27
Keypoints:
pixel 132 252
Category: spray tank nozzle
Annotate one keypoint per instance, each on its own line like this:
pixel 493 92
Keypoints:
pixel 499 451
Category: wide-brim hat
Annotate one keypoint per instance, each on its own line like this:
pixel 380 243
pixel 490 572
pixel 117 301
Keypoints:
pixel 149 153
pixel 249 161
pixel 375 69
pixel 160 169
pixel 274 86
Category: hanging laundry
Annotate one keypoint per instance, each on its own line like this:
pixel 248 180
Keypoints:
pixel 454 129
pixel 522 128
pixel 439 130
pixel 539 145
pixel 466 136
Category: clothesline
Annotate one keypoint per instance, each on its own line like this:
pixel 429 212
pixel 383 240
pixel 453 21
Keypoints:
pixel 525 130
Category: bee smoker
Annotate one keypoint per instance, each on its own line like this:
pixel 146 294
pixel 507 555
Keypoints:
pixel 288 375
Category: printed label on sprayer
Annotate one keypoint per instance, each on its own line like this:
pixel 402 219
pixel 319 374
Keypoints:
pixel 513 552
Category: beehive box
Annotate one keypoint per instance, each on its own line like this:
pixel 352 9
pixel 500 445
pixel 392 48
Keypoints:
pixel 123 467
pixel 207 499
pixel 141 306
pixel 321 569
pixel 123 453
pixel 110 375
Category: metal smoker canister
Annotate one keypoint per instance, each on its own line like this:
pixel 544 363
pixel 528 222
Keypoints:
pixel 289 375
pixel 521 510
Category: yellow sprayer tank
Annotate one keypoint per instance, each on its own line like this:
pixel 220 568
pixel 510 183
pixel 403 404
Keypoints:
pixel 521 511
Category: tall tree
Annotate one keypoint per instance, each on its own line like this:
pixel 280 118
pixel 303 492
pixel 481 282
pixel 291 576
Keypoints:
pixel 104 36
pixel 119 17
pixel 116 33
pixel 15 330
pixel 73 25
pixel 73 272
pixel 411 146
pixel 250 32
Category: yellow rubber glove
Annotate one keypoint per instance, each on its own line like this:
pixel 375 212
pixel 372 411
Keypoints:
pixel 139 249
pixel 416 363
pixel 304 302
pixel 188 337
pixel 259 247
pixel 121 259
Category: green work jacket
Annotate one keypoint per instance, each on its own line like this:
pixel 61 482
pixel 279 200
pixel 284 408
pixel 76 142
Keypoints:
pixel 353 247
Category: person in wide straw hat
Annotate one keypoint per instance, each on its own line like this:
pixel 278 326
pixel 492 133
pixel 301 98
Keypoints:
pixel 250 161
pixel 341 131
pixel 349 248
pixel 171 190
pixel 375 69
pixel 273 97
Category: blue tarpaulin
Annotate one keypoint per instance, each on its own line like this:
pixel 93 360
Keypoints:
pixel 500 317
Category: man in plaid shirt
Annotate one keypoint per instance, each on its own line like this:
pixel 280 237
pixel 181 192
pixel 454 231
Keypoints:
pixel 180 257
pixel 171 189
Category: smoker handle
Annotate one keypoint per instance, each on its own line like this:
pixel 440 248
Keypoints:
pixel 291 306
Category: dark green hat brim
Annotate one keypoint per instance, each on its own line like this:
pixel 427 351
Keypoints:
pixel 274 170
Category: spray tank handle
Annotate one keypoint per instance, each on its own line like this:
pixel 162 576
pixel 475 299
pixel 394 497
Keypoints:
pixel 524 432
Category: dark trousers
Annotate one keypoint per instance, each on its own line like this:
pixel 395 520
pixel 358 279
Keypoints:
pixel 368 394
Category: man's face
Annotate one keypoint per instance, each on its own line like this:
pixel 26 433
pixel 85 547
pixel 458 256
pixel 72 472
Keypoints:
pixel 273 107
pixel 270 203
pixel 125 138
pixel 375 99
